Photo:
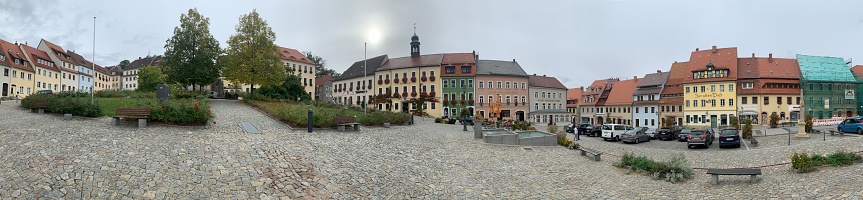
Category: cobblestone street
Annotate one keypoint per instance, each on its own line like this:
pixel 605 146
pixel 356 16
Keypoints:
pixel 90 159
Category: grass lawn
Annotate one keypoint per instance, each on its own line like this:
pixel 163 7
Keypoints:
pixel 297 115
pixel 109 105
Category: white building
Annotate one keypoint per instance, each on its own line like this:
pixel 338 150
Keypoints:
pixel 547 100
pixel 645 100
pixel 356 83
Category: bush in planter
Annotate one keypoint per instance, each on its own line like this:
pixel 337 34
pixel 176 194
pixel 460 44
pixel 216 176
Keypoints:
pixel 774 120
pixel 32 100
pixel 181 112
pixel 74 105
pixel 747 129
pixel 808 123
pixel 552 128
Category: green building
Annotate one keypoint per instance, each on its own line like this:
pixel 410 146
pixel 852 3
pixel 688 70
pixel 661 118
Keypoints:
pixel 458 76
pixel 858 73
pixel 829 87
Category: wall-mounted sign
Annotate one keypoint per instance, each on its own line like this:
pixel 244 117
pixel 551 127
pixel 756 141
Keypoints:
pixel 709 95
pixel 849 94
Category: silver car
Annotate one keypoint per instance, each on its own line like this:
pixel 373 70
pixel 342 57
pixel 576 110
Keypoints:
pixel 651 132
pixel 634 136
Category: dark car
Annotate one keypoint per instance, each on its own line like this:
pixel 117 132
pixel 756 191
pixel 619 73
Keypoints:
pixel 593 131
pixel 729 137
pixel 45 92
pixel 682 135
pixel 582 128
pixel 569 128
pixel 664 134
pixel 699 138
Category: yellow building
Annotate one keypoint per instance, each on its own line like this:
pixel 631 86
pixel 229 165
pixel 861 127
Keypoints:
pixel 47 75
pixel 407 78
pixel 21 80
pixel 295 62
pixel 709 90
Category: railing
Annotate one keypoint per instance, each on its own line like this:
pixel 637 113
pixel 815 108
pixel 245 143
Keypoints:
pixel 827 122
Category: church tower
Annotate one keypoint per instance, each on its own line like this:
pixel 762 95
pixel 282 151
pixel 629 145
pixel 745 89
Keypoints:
pixel 415 44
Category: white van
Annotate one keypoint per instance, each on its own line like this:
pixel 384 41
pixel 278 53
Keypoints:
pixel 613 131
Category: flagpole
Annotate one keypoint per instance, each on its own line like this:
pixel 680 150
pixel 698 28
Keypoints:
pixel 365 61
pixel 93 70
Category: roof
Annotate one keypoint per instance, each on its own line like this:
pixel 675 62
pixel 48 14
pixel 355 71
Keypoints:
pixel 645 91
pixel 675 78
pixel 574 94
pixel 599 85
pixel 721 58
pixel 39 54
pixel 780 68
pixel 824 69
pixel 143 62
pixel 654 79
pixel 409 62
pixel 671 100
pixel 356 70
pixel 58 49
pixel 79 60
pixel 13 51
pixel 115 70
pixel 857 70
pixel 544 81
pixel 294 55
pixel 320 81
pixel 458 58
pixel 497 67
pixel 621 93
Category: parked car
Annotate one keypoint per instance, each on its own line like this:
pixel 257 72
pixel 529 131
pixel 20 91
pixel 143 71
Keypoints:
pixel 634 136
pixel 729 137
pixel 613 131
pixel 593 131
pixel 851 125
pixel 666 133
pixel 569 128
pixel 651 132
pixel 699 138
pixel 44 92
pixel 582 128
pixel 711 133
pixel 682 135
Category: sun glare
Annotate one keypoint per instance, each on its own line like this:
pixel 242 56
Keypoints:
pixel 374 36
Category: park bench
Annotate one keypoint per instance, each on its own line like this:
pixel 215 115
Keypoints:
pixel 596 154
pixel 348 121
pixel 132 113
pixel 789 124
pixel 834 132
pixel 39 107
pixel 716 172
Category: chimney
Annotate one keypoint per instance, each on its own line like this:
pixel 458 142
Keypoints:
pixel 675 61
pixel 770 57
pixel 658 71
pixel 696 49
pixel 753 55
pixel 513 60
pixel 139 57
pixel 543 75
pixel 714 49
pixel 534 74
pixel 634 77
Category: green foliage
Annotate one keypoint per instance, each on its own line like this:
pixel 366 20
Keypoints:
pixel 464 113
pixel 747 129
pixel 674 170
pixel 774 120
pixel 669 121
pixel 123 94
pixel 320 65
pixel 438 120
pixel 297 115
pixel 552 128
pixel 190 54
pixel 290 89
pixel 252 57
pixel 31 101
pixel 149 79
pixel 182 112
pixel 804 163
pixel 808 123
pixel 520 125
pixel 734 121
pixel 66 103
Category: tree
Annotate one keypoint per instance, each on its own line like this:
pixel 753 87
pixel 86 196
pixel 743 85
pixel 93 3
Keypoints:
pixel 149 78
pixel 320 65
pixel 669 121
pixel 289 89
pixel 420 101
pixel 123 64
pixel 251 57
pixel 747 129
pixel 774 120
pixel 190 55
pixel 808 123
pixel 734 121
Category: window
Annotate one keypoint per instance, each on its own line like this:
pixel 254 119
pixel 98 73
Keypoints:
pixel 713 103
pixel 523 86
pixel 652 109
pixel 766 101
pixel 424 74
pixel 465 69
pixel 712 88
pixel 687 103
pixel 461 83
pixel 731 102
pixel 414 74
pixel 703 88
pixel 778 100
pixel 432 74
pixel 721 88
pixel 535 94
pixel 499 84
pixel 687 90
pixel 743 100
pixel 754 100
pixel 798 101
pixel 470 83
pixel 507 85
pixel 480 85
pixel 747 85
pixel 490 85
pixel 523 99
pixel 543 94
pixel 636 109
pixel 722 103
pixel 432 88
pixel 536 106
pixel 481 98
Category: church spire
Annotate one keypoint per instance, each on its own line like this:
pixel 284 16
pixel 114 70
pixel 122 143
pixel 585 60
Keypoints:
pixel 415 43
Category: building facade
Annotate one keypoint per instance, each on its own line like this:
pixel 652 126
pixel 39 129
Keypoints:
pixel 573 95
pixel 413 74
pixel 829 87
pixel 47 75
pixel 492 77
pixel 457 83
pixel 593 101
pixel 21 82
pixel 709 99
pixel 547 100
pixel 357 82
pixel 768 86
pixel 618 104
pixel 645 100
pixel 130 73
pixel 85 72
pixel 671 97
pixel 297 63
pixel 68 69
pixel 323 89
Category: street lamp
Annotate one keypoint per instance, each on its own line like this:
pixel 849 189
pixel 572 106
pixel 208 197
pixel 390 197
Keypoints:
pixel 463 119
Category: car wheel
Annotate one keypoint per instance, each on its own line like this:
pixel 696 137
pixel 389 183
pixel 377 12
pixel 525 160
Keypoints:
pixel 636 140
pixel 859 131
pixel 839 129
pixel 689 146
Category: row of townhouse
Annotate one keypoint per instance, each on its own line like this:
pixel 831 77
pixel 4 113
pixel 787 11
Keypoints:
pixel 295 63
pixel 715 85
pixel 28 69
pixel 457 80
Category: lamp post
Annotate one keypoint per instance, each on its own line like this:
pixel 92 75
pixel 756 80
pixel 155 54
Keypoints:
pixel 92 100
pixel 463 119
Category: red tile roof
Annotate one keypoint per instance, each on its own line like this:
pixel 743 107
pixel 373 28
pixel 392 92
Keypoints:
pixel 671 100
pixel 675 79
pixel 319 81
pixel 12 52
pixel 574 94
pixel 597 87
pixel 857 70
pixel 60 50
pixel 721 58
pixel 545 81
pixel 621 93
pixel 39 54
pixel 783 68
pixel 458 58
pixel 294 55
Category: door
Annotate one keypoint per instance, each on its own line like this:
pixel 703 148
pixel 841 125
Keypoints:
pixel 713 121
pixel 5 89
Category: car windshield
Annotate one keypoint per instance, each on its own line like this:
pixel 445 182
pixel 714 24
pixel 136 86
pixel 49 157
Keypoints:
pixel 631 132
pixel 606 127
pixel 729 132
pixel 696 133
pixel 665 129
pixel 651 130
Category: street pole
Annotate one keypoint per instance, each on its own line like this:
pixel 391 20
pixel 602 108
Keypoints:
pixel 464 96
pixel 93 62
pixel 365 61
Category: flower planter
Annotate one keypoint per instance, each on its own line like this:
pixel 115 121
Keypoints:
pixel 387 81
pixel 462 102
pixel 396 95
pixel 405 79
pixel 470 102
pixel 395 80
pixel 424 79
pixel 445 102
pixel 379 82
pixel 405 94
pixel 370 86
pixel 432 94
pixel 413 94
pixel 414 79
pixel 424 94
pixel 431 78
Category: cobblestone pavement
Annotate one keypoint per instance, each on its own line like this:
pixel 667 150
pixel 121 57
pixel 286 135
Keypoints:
pixel 44 156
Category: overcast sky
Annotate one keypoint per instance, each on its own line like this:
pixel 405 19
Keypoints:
pixel 576 41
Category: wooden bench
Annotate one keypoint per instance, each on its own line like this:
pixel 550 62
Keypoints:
pixel 716 172
pixel 39 107
pixel 596 154
pixel 348 121
pixel 132 113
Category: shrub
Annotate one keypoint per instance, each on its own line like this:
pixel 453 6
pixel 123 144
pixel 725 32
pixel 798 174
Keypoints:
pixel 808 123
pixel 531 128
pixel 674 170
pixel 66 103
pixel 32 100
pixel 181 112
pixel 747 129
pixel 733 121
pixel 802 162
pixel 437 120
pixel 841 159
pixel 774 120
pixel 552 128
pixel 521 125
pixel 297 115
pixel 123 93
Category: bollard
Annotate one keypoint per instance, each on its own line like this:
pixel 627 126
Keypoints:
pixel 412 119
pixel 310 121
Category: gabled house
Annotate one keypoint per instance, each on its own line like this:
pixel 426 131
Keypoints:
pixel 458 73
pixel 573 95
pixel 356 83
pixel 130 73
pixel 618 104
pixel 547 100
pixel 68 72
pixel 324 89
pixel 709 98
pixel 85 71
pixel 593 99
pixel 47 75
pixel 506 83
pixel 20 71
pixel 671 97
pixel 645 100
pixel 767 86
pixel 828 86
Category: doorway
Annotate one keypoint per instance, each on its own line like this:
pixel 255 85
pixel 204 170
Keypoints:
pixel 519 115
pixel 5 89
pixel 713 121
